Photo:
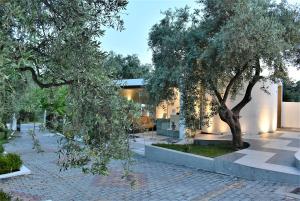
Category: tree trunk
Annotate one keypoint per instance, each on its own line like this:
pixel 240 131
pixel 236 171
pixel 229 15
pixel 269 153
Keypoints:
pixel 232 120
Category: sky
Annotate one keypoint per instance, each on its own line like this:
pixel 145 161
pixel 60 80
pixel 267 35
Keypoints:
pixel 139 17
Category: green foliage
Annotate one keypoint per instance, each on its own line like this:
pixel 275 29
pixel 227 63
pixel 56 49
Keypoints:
pixel 1 148
pixel 54 100
pixel 100 121
pixel 128 67
pixel 35 101
pixel 10 163
pixel 5 196
pixel 291 91
pixel 4 132
pixel 57 44
pixel 3 139
pixel 8 87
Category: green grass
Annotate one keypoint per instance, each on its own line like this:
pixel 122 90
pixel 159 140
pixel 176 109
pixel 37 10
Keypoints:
pixel 202 150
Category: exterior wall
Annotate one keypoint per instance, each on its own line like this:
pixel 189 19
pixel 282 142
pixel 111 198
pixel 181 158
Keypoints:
pixel 260 115
pixel 136 94
pixel 290 115
pixel 165 109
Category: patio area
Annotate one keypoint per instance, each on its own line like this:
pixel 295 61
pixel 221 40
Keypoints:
pixel 272 153
pixel 154 181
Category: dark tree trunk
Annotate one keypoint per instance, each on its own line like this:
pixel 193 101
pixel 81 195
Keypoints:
pixel 232 116
pixel 232 120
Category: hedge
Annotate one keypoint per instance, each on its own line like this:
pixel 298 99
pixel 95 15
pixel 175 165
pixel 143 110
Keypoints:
pixel 4 196
pixel 10 163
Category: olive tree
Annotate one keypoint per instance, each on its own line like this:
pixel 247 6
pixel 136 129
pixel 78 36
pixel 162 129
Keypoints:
pixel 223 47
pixel 57 42
pixel 126 67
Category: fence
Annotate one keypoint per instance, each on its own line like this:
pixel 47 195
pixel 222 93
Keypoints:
pixel 290 115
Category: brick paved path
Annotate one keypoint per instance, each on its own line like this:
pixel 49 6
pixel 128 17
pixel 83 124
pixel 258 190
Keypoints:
pixel 154 181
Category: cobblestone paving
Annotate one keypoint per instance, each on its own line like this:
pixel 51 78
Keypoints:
pixel 154 181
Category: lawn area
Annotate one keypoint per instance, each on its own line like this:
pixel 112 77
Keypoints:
pixel 202 150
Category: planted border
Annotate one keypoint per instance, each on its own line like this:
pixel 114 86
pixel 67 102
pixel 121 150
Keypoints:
pixel 217 165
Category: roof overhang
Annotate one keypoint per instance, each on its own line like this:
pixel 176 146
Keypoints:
pixel 131 83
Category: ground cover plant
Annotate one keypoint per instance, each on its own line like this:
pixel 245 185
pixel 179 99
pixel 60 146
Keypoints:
pixel 202 150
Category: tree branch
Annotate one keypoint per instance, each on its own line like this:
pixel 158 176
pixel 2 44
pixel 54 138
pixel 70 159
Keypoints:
pixel 232 81
pixel 247 97
pixel 41 84
pixel 217 93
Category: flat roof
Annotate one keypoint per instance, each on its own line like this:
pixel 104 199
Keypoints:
pixel 131 82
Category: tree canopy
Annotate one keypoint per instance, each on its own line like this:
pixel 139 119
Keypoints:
pixel 291 91
pixel 224 49
pixel 128 67
pixel 57 42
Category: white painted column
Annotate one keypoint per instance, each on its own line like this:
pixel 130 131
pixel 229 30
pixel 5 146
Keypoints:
pixel 45 118
pixel 14 123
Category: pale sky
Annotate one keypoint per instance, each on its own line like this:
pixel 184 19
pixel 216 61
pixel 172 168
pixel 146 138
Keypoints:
pixel 139 17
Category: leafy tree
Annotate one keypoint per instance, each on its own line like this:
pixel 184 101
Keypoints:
pixel 291 91
pixel 57 43
pixel 223 50
pixel 128 67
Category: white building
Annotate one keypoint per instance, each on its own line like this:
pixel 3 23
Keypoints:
pixel 264 113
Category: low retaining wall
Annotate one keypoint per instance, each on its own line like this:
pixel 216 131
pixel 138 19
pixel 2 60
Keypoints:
pixel 163 128
pixel 178 158
pixel 23 171
pixel 297 159
pixel 217 165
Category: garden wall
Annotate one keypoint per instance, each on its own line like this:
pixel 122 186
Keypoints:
pixel 290 115
pixel 260 115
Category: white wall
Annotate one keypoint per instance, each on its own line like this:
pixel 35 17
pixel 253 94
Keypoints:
pixel 260 115
pixel 168 108
pixel 290 114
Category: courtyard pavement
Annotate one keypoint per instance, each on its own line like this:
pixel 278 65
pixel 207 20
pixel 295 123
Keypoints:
pixel 268 151
pixel 154 181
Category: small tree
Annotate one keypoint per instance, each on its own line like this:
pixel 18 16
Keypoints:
pixel 223 49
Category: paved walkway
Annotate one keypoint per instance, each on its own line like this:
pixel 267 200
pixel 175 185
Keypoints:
pixel 270 151
pixel 154 181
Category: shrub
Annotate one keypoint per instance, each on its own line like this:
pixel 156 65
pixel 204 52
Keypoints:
pixel 4 196
pixel 4 133
pixel 1 149
pixel 10 163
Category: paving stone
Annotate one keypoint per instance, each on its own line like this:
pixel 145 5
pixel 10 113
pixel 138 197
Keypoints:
pixel 155 181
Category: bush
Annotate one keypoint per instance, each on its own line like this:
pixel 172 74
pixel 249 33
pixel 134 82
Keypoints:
pixel 4 133
pixel 1 149
pixel 4 196
pixel 10 163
